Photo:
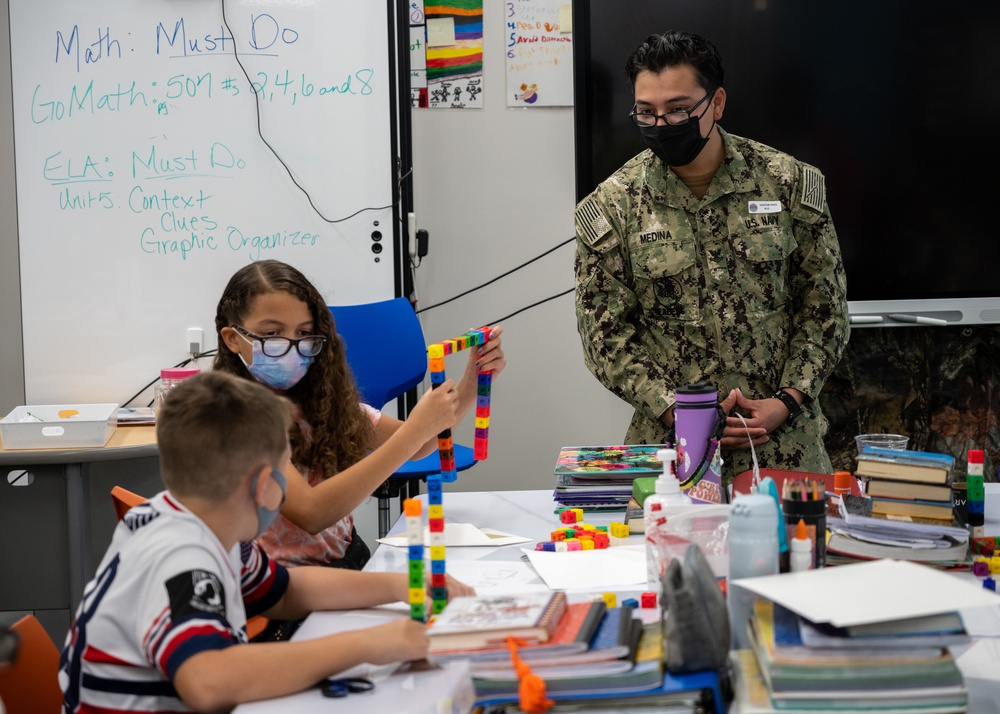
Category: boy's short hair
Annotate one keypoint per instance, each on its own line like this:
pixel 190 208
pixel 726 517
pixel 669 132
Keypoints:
pixel 213 428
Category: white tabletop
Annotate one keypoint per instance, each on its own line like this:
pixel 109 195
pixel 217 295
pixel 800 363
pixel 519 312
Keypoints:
pixel 525 513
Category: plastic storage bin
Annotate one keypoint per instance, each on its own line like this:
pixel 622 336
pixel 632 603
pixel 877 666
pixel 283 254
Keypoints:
pixel 42 427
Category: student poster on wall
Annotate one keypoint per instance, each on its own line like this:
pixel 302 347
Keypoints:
pixel 539 53
pixel 451 32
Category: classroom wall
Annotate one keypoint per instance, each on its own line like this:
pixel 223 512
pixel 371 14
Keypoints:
pixel 494 188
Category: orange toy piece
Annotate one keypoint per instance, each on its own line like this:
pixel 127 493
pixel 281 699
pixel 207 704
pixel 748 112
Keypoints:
pixel 531 687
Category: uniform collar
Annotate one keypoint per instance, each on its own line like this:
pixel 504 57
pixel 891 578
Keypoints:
pixel 732 176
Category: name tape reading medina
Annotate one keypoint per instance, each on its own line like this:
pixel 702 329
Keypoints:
pixel 235 239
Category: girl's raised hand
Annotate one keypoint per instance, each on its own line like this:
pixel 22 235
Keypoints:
pixel 436 410
pixel 489 357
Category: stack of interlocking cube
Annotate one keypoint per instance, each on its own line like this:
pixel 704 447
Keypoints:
pixel 435 364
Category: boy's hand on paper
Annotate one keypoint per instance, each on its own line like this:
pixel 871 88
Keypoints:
pixel 401 640
pixel 761 416
pixel 435 411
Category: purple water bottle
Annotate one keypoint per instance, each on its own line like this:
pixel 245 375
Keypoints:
pixel 698 424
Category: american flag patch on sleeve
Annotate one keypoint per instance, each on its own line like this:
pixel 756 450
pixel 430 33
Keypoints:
pixel 813 188
pixel 591 222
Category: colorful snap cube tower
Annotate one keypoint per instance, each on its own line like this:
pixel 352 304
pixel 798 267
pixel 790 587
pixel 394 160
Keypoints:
pixel 435 365
pixel 413 509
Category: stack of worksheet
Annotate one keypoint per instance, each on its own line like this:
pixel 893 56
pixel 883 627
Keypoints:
pixel 899 664
pixel 871 636
pixel 859 536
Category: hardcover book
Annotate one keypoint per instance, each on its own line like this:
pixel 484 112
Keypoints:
pixel 806 669
pixel 484 621
pixel 572 637
pixel 906 490
pixel 612 651
pixel 645 674
pixel 609 462
pixel 920 466
pixel 919 509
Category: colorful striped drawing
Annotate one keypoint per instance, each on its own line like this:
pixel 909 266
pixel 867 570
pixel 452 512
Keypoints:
pixel 454 73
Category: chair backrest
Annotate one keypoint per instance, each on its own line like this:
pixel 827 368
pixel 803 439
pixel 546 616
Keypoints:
pixel 123 499
pixel 31 684
pixel 385 348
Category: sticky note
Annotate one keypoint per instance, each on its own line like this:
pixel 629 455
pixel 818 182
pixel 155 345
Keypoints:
pixel 565 18
pixel 67 413
pixel 441 32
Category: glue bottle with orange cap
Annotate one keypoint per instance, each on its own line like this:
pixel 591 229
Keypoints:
pixel 801 549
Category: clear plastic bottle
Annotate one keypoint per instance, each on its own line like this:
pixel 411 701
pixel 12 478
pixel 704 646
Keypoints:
pixel 656 509
pixel 753 550
pixel 170 378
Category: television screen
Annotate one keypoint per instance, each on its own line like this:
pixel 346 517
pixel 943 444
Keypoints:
pixel 895 101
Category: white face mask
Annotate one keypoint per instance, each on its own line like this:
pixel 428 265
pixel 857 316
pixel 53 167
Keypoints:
pixel 276 372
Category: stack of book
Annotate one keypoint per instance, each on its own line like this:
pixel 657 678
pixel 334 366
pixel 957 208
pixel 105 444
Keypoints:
pixel 593 656
pixel 600 477
pixel 914 484
pixel 641 670
pixel 857 535
pixel 891 666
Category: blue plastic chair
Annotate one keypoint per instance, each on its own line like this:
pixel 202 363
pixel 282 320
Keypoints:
pixel 388 355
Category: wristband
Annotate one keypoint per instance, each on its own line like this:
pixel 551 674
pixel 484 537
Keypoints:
pixel 793 407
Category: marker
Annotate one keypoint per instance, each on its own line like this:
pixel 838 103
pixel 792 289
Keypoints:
pixel 918 319
pixel 866 319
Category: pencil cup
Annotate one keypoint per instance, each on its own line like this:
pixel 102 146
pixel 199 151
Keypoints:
pixel 814 515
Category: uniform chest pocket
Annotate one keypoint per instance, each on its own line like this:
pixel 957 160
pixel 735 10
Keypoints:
pixel 763 256
pixel 668 281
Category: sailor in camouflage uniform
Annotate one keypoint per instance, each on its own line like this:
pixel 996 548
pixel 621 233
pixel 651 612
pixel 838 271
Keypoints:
pixel 711 257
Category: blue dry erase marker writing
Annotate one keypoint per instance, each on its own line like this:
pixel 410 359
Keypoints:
pixel 768 487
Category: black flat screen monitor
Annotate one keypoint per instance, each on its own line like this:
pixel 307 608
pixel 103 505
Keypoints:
pixel 896 101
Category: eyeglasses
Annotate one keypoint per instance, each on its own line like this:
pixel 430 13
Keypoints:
pixel 677 117
pixel 308 346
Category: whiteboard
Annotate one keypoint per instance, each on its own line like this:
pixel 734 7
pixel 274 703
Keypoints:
pixel 143 184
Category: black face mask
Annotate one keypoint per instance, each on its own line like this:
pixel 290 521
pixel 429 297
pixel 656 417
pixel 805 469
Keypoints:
pixel 676 145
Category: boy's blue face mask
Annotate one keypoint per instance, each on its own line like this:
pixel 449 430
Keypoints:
pixel 265 515
pixel 279 373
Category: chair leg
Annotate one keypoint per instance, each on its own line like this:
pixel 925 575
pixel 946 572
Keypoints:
pixel 383 516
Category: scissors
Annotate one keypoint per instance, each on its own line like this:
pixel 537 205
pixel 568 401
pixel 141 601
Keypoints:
pixel 337 688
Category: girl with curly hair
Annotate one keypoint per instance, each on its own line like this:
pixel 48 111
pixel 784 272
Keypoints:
pixel 274 326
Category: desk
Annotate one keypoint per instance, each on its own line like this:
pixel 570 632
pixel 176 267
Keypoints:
pixel 525 513
pixel 49 542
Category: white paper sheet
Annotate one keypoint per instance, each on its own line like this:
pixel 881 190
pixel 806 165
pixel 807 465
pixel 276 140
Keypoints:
pixel 605 569
pixel 462 534
pixel 870 592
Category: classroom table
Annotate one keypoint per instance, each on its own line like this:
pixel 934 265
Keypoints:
pixel 46 551
pixel 525 513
